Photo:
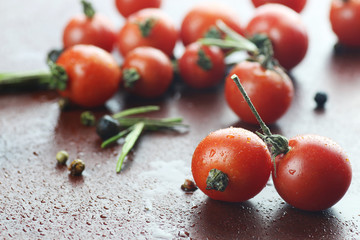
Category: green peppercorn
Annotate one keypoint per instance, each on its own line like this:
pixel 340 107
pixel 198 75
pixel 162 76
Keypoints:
pixel 62 156
pixel 87 118
pixel 76 167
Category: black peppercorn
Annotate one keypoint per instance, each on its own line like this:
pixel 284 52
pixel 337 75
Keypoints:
pixel 107 127
pixel 320 99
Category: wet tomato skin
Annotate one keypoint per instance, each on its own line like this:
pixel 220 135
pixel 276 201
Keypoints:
pixel 98 31
pixel 238 153
pixel 345 21
pixel 128 7
pixel 270 91
pixel 314 175
pixel 194 74
pixel 162 35
pixel 93 75
pixel 154 68
pixel 296 5
pixel 286 31
pixel 202 17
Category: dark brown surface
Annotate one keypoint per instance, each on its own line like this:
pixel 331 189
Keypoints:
pixel 40 200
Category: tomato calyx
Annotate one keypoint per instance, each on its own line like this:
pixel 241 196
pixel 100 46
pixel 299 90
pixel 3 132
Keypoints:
pixel 146 26
pixel 89 11
pixel 59 77
pixel 131 76
pixel 213 32
pixel 203 60
pixel 266 51
pixel 278 143
pixel 217 180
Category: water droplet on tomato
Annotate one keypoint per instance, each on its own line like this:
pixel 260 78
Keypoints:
pixel 230 136
pixel 212 153
pixel 292 171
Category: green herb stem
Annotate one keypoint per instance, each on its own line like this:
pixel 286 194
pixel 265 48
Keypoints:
pixel 152 124
pixel 113 139
pixel 232 40
pixel 135 110
pixel 25 79
pixel 130 141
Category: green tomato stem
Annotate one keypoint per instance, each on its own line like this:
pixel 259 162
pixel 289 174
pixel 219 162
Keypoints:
pixel 279 144
pixel 89 11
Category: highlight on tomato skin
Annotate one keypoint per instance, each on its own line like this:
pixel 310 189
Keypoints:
pixel 296 5
pixel 149 27
pixel 286 30
pixel 270 91
pixel 93 75
pixel 314 175
pixel 147 72
pixel 344 18
pixel 200 21
pixel 238 153
pixel 90 28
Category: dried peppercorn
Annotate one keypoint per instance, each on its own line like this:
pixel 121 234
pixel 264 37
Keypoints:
pixel 76 167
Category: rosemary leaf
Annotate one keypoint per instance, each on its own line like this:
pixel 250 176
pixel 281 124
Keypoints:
pixel 130 141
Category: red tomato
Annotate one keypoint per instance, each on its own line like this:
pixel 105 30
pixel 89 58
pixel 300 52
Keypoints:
pixel 98 31
pixel 314 175
pixel 93 75
pixel 202 66
pixel 128 7
pixel 296 5
pixel 200 21
pixel 286 31
pixel 345 21
pixel 270 91
pixel 152 69
pixel 148 27
pixel 238 153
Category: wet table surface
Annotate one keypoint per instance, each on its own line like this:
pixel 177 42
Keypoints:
pixel 40 200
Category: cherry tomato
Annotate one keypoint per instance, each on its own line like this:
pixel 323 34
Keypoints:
pixel 345 21
pixel 202 66
pixel 296 5
pixel 314 175
pixel 97 30
pixel 148 72
pixel 286 31
pixel 239 154
pixel 270 91
pixel 128 7
pixel 93 75
pixel 148 27
pixel 200 21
